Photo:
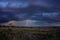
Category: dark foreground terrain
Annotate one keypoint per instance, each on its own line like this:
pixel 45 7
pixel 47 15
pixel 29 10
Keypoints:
pixel 29 33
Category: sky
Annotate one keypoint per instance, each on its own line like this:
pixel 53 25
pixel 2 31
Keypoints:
pixel 30 12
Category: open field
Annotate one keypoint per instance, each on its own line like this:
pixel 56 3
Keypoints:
pixel 31 28
pixel 29 33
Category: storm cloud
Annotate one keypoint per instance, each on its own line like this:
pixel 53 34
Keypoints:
pixel 47 11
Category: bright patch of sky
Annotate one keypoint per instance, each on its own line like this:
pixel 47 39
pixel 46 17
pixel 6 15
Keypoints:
pixel 14 4
pixel 53 14
pixel 18 4
pixel 3 4
pixel 32 23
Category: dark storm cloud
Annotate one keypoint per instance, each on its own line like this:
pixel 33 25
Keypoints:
pixel 41 7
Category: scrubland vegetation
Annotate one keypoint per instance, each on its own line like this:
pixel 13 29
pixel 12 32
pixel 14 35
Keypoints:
pixel 29 33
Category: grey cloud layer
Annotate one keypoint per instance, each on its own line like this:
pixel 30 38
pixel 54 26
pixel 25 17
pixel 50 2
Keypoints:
pixel 39 10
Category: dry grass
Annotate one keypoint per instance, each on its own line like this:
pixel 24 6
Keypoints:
pixel 31 28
